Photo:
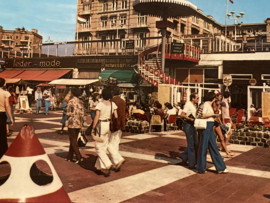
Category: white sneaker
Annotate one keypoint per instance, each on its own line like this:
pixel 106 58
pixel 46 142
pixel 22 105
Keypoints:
pixel 225 171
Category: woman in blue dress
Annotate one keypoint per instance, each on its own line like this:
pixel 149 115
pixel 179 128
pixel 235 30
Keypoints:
pixel 64 107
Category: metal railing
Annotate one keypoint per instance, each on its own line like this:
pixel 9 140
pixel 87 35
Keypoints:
pixel 112 27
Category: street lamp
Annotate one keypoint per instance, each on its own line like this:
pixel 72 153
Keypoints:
pixel 237 17
pixel 49 41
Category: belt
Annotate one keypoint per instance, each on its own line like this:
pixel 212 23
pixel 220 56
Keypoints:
pixel 107 120
pixel 2 112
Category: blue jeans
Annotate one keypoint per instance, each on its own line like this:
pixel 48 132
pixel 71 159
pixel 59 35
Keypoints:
pixel 192 143
pixel 38 105
pixel 47 106
pixel 93 114
pixel 209 142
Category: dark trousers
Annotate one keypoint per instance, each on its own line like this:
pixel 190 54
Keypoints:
pixel 192 143
pixel 73 147
pixel 209 142
pixel 3 134
pixel 30 97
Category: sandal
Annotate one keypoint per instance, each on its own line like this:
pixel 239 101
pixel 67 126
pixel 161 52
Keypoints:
pixel 79 161
pixel 61 132
pixel 229 156
pixel 9 134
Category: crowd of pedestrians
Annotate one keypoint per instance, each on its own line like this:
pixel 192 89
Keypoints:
pixel 216 115
pixel 112 112
pixel 110 108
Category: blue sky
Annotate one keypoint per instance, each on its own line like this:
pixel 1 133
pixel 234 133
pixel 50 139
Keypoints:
pixel 56 18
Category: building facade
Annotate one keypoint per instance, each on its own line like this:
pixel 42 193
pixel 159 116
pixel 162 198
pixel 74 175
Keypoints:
pixel 253 37
pixel 21 41
pixel 110 23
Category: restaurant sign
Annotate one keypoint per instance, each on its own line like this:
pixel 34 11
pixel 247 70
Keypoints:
pixel 130 44
pixel 177 48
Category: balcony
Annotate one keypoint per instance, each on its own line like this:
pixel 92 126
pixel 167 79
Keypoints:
pixel 7 39
pixel 85 12
pixel 139 25
pixel 85 27
pixel 24 47
pixel 111 27
pixel 24 40
pixel 8 46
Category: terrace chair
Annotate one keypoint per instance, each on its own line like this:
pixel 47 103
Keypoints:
pixel 266 122
pixel 172 122
pixel 144 117
pixel 232 111
pixel 156 121
pixel 239 118
pixel 137 116
pixel 253 121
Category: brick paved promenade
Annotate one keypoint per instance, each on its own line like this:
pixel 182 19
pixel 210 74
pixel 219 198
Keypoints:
pixel 152 172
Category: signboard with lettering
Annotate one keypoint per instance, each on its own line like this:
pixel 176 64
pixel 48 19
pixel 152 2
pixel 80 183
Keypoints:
pixel 177 48
pixel 196 36
pixel 130 44
pixel 89 62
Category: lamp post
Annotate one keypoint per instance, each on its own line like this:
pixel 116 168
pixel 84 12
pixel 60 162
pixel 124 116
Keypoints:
pixel 237 17
pixel 48 41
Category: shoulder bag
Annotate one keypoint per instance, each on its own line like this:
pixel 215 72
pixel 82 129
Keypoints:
pixel 82 141
pixel 200 124
pixel 97 132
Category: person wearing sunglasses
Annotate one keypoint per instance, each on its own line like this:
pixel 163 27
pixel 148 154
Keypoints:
pixel 189 115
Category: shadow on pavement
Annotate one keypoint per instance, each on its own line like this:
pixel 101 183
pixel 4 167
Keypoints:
pixel 171 159
pixel 267 196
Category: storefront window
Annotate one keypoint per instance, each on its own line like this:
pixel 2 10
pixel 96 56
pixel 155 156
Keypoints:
pixel 211 73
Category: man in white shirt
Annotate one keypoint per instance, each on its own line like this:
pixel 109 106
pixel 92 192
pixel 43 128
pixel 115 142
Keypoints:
pixel 4 106
pixel 189 114
pixel 29 95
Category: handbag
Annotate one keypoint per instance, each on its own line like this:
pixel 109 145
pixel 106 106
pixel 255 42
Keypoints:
pixel 97 133
pixel 82 141
pixel 200 124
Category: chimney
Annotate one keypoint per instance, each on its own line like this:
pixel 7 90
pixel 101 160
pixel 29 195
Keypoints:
pixel 210 17
pixel 200 11
pixel 34 31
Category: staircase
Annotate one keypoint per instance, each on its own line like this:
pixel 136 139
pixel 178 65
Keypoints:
pixel 149 65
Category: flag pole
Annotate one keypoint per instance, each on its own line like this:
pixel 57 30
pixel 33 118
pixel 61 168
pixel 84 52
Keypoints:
pixel 226 23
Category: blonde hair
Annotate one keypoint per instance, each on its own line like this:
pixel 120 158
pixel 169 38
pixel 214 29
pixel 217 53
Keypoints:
pixel 67 97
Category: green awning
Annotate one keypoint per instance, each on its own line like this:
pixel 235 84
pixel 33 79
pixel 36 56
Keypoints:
pixel 129 76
